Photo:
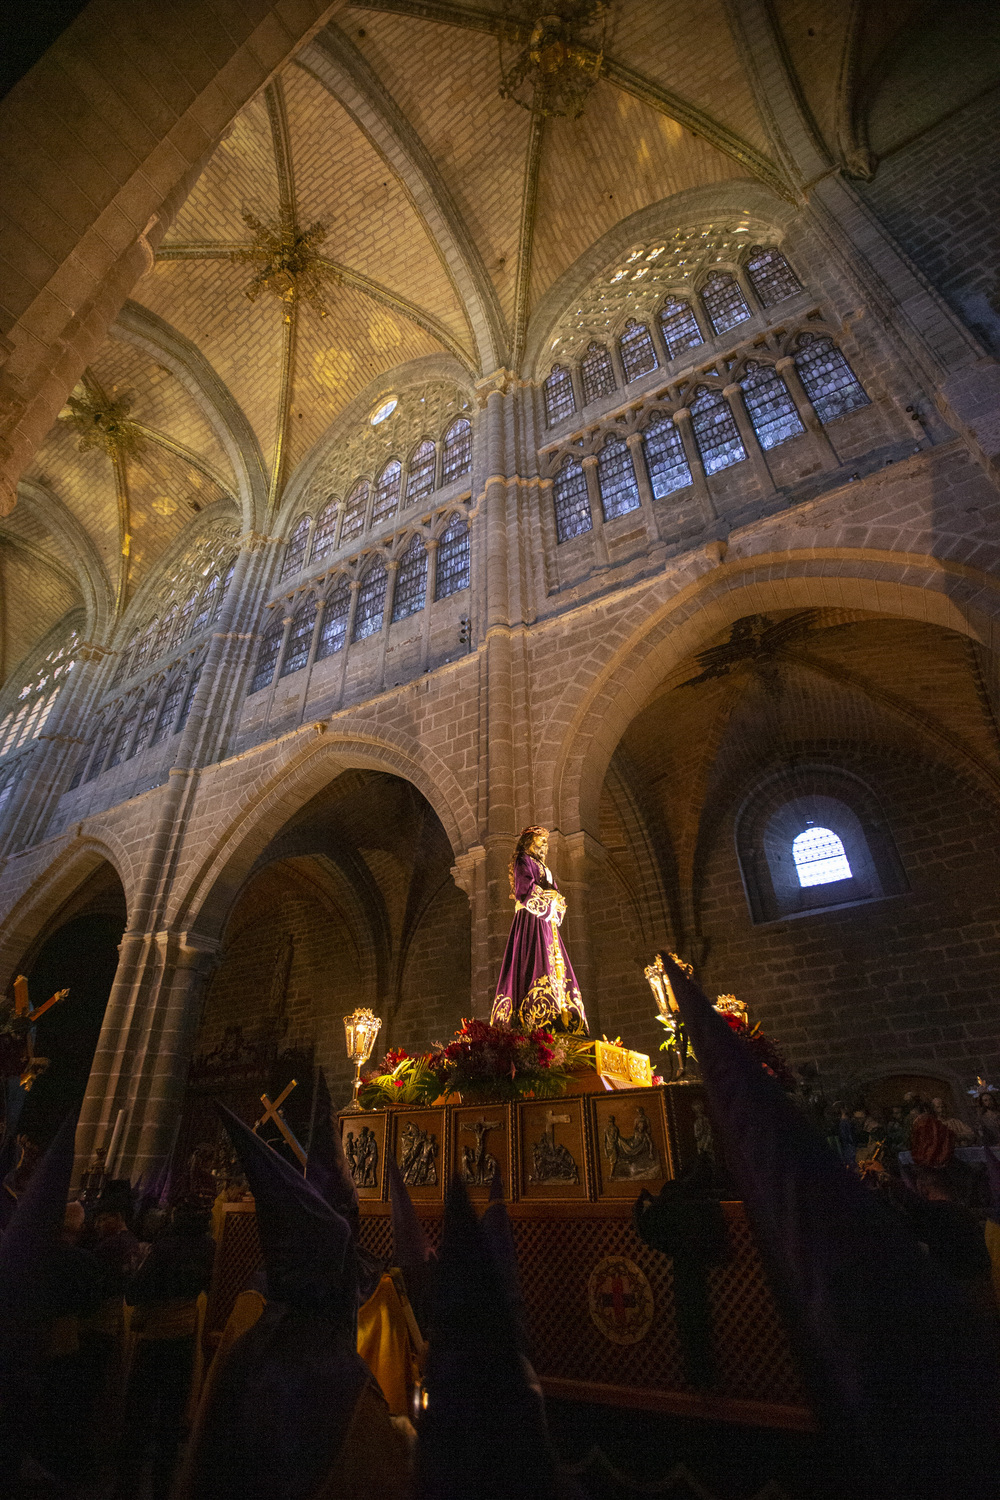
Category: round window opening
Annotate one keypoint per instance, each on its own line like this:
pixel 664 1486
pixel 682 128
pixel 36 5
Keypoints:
pixel 386 409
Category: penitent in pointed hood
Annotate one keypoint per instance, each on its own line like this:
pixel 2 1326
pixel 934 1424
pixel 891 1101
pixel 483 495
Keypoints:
pixel 887 1341
pixel 328 1171
pixel 412 1251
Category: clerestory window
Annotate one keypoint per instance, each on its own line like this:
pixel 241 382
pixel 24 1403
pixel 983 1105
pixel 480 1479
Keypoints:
pixel 770 275
pixel 371 602
pixel 769 405
pixel 724 302
pixel 828 380
pixel 453 559
pixel 666 461
pixel 560 401
pixel 679 327
pixel 638 354
pixel 715 431
pixel 411 581
pixel 616 479
pixel 598 373
pixel 571 502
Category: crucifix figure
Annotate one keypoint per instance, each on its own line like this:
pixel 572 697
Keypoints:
pixel 552 1161
pixel 274 1113
pixel 479 1168
pixel 24 1026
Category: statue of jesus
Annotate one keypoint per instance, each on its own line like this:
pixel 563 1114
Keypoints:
pixel 537 985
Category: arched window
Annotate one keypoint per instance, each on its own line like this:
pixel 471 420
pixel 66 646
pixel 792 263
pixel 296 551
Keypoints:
pixel 37 698
pixel 334 631
pixel 571 501
pixel 325 530
pixel 771 277
pixel 206 609
pixel 166 723
pixel 387 492
pixel 371 601
pixel 818 854
pixel 666 461
pixel 679 326
pixel 164 633
pixel 220 597
pixel 453 559
pixel 616 478
pixel 104 737
pixel 420 471
pixel 598 373
pixel 184 617
pixel 560 401
pixel 80 767
pixel 122 671
pixel 724 302
pixel 769 405
pixel 125 735
pixel 299 640
pixel 267 655
pixel 188 703
pixel 638 354
pixel 457 459
pixel 715 431
pixel 146 721
pixel 295 553
pixel 411 581
pixel 145 646
pixel 830 383
pixel 355 508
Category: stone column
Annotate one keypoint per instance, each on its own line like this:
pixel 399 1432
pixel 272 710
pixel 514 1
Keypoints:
pixel 823 447
pixel 391 574
pixel 469 874
pixel 425 640
pixel 581 864
pixel 634 443
pixel 682 420
pixel 313 648
pixel 355 587
pixel 589 466
pixel 755 453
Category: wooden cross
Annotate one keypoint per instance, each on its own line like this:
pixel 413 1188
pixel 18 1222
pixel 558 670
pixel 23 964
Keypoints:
pixel 22 1005
pixel 273 1112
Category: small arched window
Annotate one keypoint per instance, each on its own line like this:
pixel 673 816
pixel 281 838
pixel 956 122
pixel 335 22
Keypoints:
pixel 679 327
pixel 829 382
pixel 616 478
pixel 571 501
pixel 598 374
pixel 457 459
pixel 453 559
pixel 560 401
pixel 411 581
pixel 420 471
pixel 267 655
pixel 638 354
pixel 355 509
pixel 371 601
pixel 299 640
pixel 386 501
pixel 666 461
pixel 724 302
pixel 715 431
pixel 145 727
pixel 819 858
pixel 771 277
pixel 167 721
pixel 335 615
pixel 325 530
pixel 769 405
pixel 295 554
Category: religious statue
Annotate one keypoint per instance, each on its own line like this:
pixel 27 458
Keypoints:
pixel 631 1157
pixel 362 1157
pixel 551 1160
pixel 537 985
pixel 479 1166
pixel 418 1163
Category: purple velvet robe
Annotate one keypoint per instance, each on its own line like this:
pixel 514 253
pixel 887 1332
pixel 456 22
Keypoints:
pixel 537 985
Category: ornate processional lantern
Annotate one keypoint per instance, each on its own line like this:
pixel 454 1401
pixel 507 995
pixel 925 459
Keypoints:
pixel 361 1028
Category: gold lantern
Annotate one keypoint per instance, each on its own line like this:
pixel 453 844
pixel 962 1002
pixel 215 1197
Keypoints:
pixel 361 1028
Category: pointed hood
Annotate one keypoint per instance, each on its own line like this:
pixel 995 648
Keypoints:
pixel 881 1332
pixel 499 1236
pixel 328 1171
pixel 412 1251
pixel 483 1435
pixel 992 1184
pixel 30 1239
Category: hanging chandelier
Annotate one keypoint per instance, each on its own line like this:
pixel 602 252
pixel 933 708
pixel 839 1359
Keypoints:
pixel 287 261
pixel 551 54
pixel 103 422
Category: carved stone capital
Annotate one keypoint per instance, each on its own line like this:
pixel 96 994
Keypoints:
pixel 498 384
pixel 256 541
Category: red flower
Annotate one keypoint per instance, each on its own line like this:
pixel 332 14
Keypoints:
pixel 399 1083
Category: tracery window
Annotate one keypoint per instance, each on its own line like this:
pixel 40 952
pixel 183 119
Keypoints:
pixel 829 382
pixel 355 507
pixel 325 530
pixel 168 713
pixel 299 640
pixel 724 302
pixel 453 559
pixel 771 277
pixel 679 326
pixel 571 501
pixel 145 646
pixel 411 581
pixel 371 601
pixel 207 608
pixel 666 461
pixel 616 478
pixel 164 632
pixel 183 618
pixel 37 697
pixel 715 431
pixel 638 354
pixel 819 857
pixel 220 597
pixel 188 703
pixel 267 656
pixel 101 748
pixel 387 492
pixel 457 450
pixel 295 554
pixel 335 616
pixel 560 400
pixel 420 471
pixel 769 405
pixel 146 721
pixel 598 373
pixel 122 742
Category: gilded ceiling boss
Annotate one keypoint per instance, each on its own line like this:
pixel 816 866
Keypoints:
pixel 537 985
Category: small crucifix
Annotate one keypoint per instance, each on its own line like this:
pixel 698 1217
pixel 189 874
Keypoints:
pixel 274 1112
pixel 34 1066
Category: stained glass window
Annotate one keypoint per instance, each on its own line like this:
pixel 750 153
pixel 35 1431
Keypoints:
pixel 715 431
pixel 387 492
pixel 164 631
pixel 168 713
pixel 598 373
pixel 820 857
pixel 666 460
pixel 355 507
pixel 146 721
pixel 334 631
pixel 638 354
pixel 559 398
pixel 571 501
pixel 616 478
pixel 145 645
pixel 420 471
pixel 37 698
pixel 371 601
pixel 267 656
pixel 453 559
pixel 184 617
pixel 206 609
pixel 121 743
pixel 299 640
pixel 771 277
pixel 724 302
pixel 457 450
pixel 679 327
pixel 104 738
pixel 770 406
pixel 411 581
pixel 295 554
pixel 325 530
pixel 830 383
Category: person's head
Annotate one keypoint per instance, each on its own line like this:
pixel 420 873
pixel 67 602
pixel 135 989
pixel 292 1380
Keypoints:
pixel 73 1222
pixel 989 1102
pixel 533 841
pixel 938 1106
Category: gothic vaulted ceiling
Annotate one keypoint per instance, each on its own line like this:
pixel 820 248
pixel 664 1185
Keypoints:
pixel 447 213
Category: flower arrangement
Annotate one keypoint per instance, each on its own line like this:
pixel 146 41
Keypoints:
pixel 401 1079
